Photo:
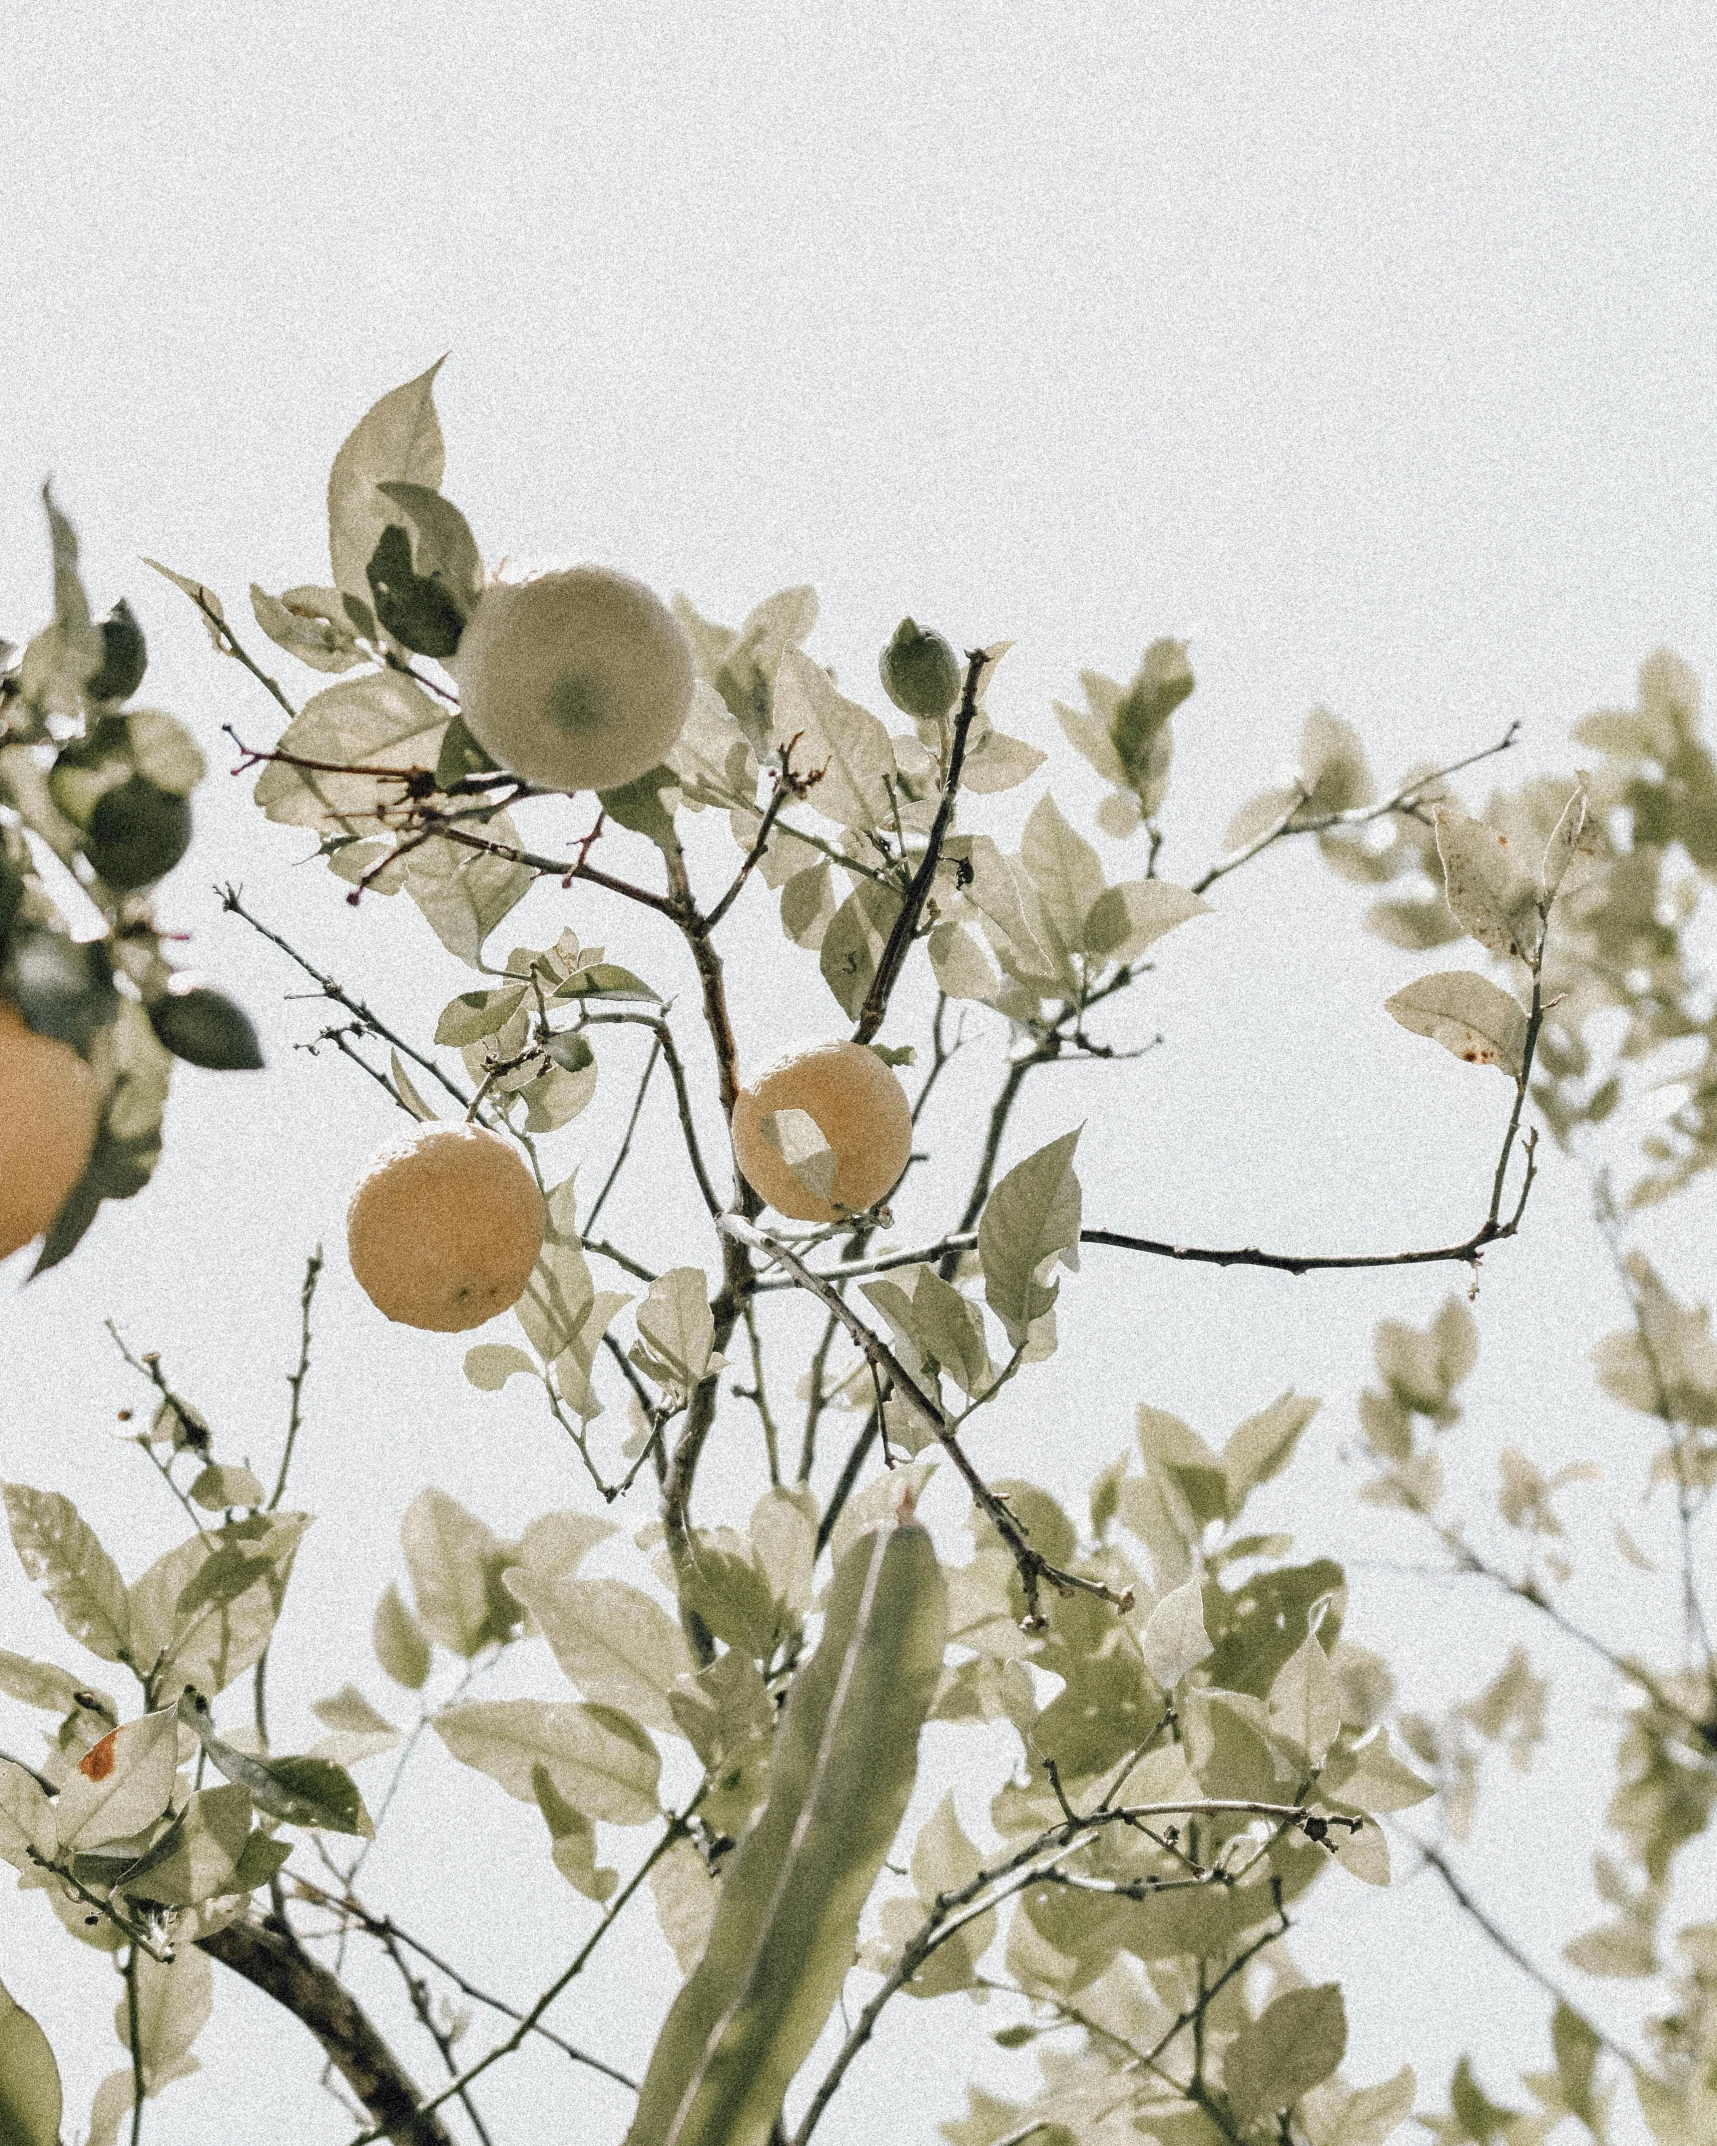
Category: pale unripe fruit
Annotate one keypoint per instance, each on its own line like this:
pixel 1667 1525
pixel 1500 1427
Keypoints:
pixel 859 1107
pixel 445 1226
pixel 50 1107
pixel 579 680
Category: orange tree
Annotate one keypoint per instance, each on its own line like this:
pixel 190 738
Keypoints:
pixel 1195 1740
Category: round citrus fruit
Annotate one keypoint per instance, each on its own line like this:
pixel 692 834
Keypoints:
pixel 444 1227
pixel 49 1110
pixel 857 1105
pixel 578 680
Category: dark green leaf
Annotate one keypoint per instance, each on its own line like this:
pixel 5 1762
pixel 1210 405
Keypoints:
pixel 204 1027
pixel 298 1791
pixel 418 610
pixel 1291 2046
pixel 460 756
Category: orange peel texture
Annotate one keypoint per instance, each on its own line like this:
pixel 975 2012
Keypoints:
pixel 50 1107
pixel 445 1226
pixel 858 1106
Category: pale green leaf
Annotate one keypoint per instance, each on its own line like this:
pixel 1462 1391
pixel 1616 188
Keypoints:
pixel 1374 1780
pixel 837 736
pixel 1564 841
pixel 490 1364
pixel 1125 919
pixel 127 1786
pixel 309 623
pixel 959 964
pixel 397 438
pixel 42 1684
pixel 205 1610
pixel 1305 1707
pixel 677 1326
pixel 197 1857
pixel 455 1561
pixel 1064 869
pixel 381 720
pixel 218 1486
pixel 473 1015
pixel 1174 1639
pixel 348 1710
pixel 685 1896
pixel 1479 877
pixel 615 1644
pixel 26 1817
pixel 399 1642
pixel 59 1551
pixel 300 1791
pixel 1262 1446
pixel 1030 1221
pixel 787 1920
pixel 464 893
pixel 599 1760
pixel 1468 1015
pixel 1291 2046
pixel 798 1139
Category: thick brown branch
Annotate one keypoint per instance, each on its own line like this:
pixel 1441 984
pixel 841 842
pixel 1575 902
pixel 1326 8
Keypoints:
pixel 267 1955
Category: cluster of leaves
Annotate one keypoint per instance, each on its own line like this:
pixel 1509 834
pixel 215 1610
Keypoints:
pixel 1196 1740
pixel 101 791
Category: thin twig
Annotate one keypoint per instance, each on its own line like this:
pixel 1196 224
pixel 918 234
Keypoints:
pixel 306 1296
pixel 1034 1568
pixel 912 908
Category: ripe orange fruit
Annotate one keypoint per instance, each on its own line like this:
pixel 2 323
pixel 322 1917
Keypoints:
pixel 444 1226
pixel 50 1107
pixel 578 680
pixel 858 1106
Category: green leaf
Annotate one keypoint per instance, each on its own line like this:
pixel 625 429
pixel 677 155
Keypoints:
pixel 1468 1015
pixel 464 893
pixel 685 1896
pixel 1564 841
pixel 473 1015
pixel 206 1610
pixel 677 1329
pixel 1125 919
pixel 417 609
pixel 1263 1445
pixel 198 1856
pixel 460 755
pixel 63 989
pixel 218 1487
pixel 1283 2053
pixel 455 1561
pixel 398 1640
pixel 853 942
pixel 298 1791
pixel 1138 728
pixel 574 1839
pixel 205 1028
pixel 381 720
pixel 124 656
pixel 30 2103
pixel 1373 1779
pixel 836 736
pixel 398 439
pixel 58 1549
pixel 787 1919
pixel 207 602
pixel 599 1760
pixel 1174 1640
pixel 614 1643
pixel 309 623
pixel 64 656
pixel 1030 1221
pixel 137 833
pixel 606 979
pixel 1174 1450
pixel 959 964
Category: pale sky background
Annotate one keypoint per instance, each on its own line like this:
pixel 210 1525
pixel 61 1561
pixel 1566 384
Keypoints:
pixel 1374 343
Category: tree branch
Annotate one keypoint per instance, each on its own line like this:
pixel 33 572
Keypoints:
pixel 269 1956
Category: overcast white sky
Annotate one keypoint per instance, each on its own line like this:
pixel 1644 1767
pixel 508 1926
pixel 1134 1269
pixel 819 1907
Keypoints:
pixel 1374 343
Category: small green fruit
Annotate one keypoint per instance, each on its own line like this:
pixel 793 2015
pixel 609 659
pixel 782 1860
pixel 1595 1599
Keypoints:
pixel 137 833
pixel 920 672
pixel 205 1028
